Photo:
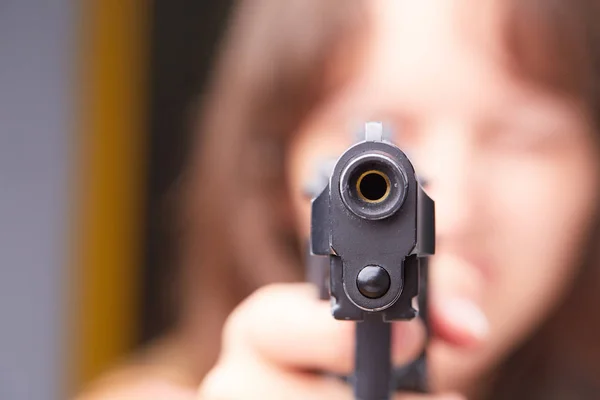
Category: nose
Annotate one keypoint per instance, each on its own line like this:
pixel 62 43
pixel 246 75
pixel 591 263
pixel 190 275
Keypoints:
pixel 445 161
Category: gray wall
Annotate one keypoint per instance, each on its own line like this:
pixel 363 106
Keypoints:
pixel 37 44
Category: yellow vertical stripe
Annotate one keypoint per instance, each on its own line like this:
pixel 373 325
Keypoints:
pixel 112 145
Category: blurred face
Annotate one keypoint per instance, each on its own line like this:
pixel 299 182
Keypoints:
pixel 511 167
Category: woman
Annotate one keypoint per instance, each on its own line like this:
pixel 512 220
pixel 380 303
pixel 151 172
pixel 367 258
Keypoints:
pixel 497 105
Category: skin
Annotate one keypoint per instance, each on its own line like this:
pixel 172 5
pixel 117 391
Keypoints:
pixel 513 171
pixel 511 167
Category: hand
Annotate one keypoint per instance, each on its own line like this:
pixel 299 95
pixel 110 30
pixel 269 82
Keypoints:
pixel 276 339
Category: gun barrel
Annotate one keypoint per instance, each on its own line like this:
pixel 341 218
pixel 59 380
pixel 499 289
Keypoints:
pixel 373 185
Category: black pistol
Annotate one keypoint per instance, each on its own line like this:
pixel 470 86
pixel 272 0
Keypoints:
pixel 375 225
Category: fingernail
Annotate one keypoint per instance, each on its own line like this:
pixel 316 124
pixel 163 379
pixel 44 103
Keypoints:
pixel 468 316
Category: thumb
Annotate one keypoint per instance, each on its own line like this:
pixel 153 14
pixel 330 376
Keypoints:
pixel 446 396
pixel 456 292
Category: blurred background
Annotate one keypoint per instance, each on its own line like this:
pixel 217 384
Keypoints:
pixel 95 110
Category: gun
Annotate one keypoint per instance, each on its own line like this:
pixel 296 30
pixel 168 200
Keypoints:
pixel 372 231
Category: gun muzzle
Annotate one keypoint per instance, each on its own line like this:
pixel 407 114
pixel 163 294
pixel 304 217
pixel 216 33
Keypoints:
pixel 373 185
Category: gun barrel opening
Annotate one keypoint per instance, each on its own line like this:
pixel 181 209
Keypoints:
pixel 373 186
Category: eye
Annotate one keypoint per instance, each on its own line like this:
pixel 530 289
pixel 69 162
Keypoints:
pixel 406 131
pixel 523 132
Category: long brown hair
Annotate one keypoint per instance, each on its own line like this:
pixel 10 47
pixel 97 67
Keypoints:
pixel 279 61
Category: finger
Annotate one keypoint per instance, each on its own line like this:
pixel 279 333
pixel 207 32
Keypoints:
pixel 408 340
pixel 287 325
pixel 448 396
pixel 239 381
